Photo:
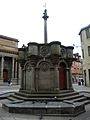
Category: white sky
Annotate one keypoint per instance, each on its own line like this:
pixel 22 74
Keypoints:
pixel 22 19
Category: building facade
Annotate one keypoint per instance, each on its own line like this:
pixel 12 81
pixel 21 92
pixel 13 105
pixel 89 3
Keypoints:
pixel 85 46
pixel 76 68
pixel 8 59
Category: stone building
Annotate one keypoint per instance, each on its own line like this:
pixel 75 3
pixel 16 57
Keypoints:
pixel 77 68
pixel 85 46
pixel 8 59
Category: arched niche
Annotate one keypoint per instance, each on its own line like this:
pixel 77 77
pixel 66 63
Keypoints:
pixel 44 76
pixel 28 79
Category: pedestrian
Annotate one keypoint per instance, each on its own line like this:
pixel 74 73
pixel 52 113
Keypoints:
pixel 9 82
pixel 82 81
pixel 79 82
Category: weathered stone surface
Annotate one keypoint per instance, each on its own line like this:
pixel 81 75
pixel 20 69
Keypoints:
pixel 51 108
pixel 42 66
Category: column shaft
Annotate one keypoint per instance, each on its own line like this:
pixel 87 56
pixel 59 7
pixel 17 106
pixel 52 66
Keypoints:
pixel 67 77
pixel 45 31
pixel 2 66
pixel 12 67
pixel 16 69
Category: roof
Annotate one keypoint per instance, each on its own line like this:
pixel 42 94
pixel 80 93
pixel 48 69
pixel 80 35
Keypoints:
pixel 84 28
pixel 9 38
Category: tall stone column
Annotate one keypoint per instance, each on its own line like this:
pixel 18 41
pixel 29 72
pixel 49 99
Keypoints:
pixel 22 79
pixel 70 75
pixel 19 74
pixel 13 68
pixel 70 79
pixel 33 79
pixel 2 66
pixel 16 69
pixel 45 17
pixel 56 80
pixel 22 76
pixel 36 78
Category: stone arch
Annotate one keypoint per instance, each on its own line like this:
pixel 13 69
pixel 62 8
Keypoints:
pixel 45 61
pixel 28 73
pixel 62 74
pixel 26 65
pixel 63 62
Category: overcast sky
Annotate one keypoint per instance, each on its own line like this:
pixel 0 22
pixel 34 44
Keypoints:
pixel 22 19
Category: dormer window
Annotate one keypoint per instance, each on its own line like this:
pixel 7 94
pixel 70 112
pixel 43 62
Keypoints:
pixel 88 32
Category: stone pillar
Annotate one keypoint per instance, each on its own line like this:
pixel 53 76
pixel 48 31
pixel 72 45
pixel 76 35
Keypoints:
pixel 13 68
pixel 70 75
pixel 19 73
pixel 45 25
pixel 56 79
pixel 36 78
pixel 2 66
pixel 70 79
pixel 67 76
pixel 22 76
pixel 16 69
pixel 33 79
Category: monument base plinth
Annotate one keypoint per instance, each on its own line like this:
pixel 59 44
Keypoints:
pixel 42 108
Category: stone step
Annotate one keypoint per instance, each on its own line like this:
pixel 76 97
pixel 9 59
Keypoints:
pixel 16 97
pixel 47 95
pixel 30 98
pixel 82 100
pixel 71 97
pixel 85 102
pixel 60 98
pixel 46 92
pixel 79 99
pixel 11 98
pixel 61 103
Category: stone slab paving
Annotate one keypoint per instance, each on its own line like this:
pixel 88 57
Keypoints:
pixel 5 115
pixel 9 88
pixel 81 88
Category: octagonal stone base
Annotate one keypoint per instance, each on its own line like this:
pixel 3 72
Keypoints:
pixel 41 108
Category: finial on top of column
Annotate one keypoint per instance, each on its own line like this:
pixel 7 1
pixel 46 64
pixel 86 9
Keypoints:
pixel 45 24
pixel 45 15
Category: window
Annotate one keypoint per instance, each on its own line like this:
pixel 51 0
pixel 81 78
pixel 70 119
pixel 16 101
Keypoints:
pixel 88 32
pixel 89 73
pixel 83 53
pixel 85 76
pixel 89 50
pixel 81 37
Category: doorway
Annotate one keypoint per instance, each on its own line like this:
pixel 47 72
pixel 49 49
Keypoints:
pixel 5 75
pixel 62 76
